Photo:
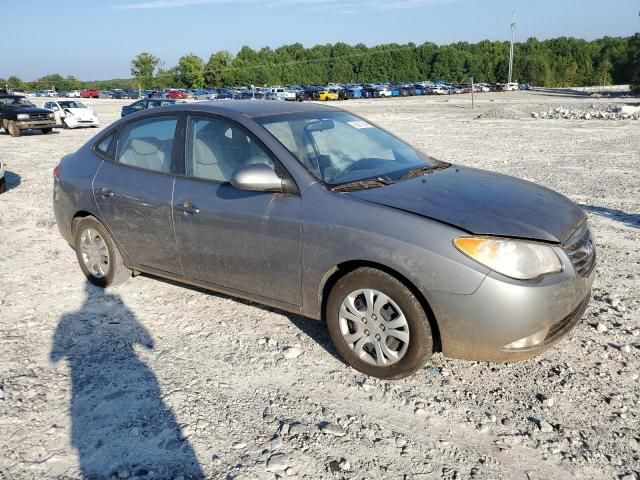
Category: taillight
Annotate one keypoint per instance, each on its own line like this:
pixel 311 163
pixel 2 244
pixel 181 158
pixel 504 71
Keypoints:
pixel 56 171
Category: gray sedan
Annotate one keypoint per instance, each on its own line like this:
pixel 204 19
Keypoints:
pixel 316 211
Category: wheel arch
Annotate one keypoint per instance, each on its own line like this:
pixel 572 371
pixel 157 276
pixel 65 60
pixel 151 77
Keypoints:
pixel 340 270
pixel 79 215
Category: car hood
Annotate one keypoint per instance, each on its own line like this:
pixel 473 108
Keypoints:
pixel 30 110
pixel 81 112
pixel 482 203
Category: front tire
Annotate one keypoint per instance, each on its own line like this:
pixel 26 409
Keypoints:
pixel 13 129
pixel 97 254
pixel 3 185
pixel 377 324
pixel 47 131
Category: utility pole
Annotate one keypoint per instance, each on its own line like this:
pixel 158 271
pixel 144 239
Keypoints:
pixel 513 39
pixel 473 103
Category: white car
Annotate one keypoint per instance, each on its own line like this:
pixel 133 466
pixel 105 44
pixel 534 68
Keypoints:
pixel 49 93
pixel 279 93
pixel 3 181
pixel 72 114
pixel 73 94
pixel 511 87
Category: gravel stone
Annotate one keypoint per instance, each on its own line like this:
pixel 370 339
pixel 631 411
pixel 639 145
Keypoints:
pixel 291 353
pixel 278 462
pixel 333 429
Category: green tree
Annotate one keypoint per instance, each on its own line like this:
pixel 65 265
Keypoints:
pixel 190 71
pixel 143 68
pixel 216 68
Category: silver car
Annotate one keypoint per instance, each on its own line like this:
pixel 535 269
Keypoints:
pixel 317 211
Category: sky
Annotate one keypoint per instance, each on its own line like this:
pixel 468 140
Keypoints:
pixel 95 40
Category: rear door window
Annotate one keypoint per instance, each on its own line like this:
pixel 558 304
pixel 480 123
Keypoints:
pixel 148 143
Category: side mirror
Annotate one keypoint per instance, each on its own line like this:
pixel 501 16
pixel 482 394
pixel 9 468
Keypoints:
pixel 55 109
pixel 257 178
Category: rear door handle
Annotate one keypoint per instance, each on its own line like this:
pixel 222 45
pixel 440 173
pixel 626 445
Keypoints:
pixel 187 208
pixel 106 193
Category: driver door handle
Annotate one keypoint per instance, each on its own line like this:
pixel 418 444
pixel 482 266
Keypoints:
pixel 187 208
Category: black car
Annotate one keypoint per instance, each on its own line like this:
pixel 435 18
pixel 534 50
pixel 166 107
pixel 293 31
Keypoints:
pixel 345 94
pixel 147 103
pixel 17 114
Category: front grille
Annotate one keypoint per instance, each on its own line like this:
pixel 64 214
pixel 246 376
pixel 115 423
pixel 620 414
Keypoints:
pixel 38 116
pixel 581 250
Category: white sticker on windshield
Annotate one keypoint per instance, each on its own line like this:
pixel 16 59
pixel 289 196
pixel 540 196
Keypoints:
pixel 360 124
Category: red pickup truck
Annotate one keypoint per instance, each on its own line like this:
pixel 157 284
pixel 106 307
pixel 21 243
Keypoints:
pixel 89 93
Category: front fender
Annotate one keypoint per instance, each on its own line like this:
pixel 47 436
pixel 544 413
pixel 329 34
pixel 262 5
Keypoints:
pixel 346 230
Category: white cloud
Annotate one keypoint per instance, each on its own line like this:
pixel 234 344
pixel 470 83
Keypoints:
pixel 353 5
pixel 155 4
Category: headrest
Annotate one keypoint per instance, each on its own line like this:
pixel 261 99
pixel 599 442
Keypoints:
pixel 143 147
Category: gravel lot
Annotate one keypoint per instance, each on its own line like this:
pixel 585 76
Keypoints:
pixel 155 380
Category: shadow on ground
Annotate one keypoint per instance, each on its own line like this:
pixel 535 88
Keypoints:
pixel 630 219
pixel 13 179
pixel 119 423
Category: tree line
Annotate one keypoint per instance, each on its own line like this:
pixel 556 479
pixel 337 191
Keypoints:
pixel 558 62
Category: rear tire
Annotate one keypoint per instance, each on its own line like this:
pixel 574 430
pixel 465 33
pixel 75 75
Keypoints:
pixel 47 131
pixel 382 346
pixel 13 129
pixel 97 254
pixel 3 185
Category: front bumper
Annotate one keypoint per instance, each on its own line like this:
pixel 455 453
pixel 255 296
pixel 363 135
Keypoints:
pixel 506 320
pixel 27 124
pixel 74 123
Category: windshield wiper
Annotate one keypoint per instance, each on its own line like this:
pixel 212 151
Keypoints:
pixel 363 184
pixel 416 172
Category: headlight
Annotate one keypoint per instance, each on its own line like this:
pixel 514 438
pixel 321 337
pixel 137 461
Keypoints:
pixel 518 259
pixel 23 116
pixel 52 115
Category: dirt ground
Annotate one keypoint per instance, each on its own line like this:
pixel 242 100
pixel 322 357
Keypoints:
pixel 155 380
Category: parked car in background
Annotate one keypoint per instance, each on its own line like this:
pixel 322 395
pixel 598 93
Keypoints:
pixel 105 94
pixel 73 94
pixel 90 93
pixel 18 92
pixel 328 94
pixel 146 103
pixel 280 93
pixel 511 87
pixel 72 114
pixel 176 95
pixel 17 113
pixel 49 93
pixel 202 94
pixel 3 180
pixel 119 94
pixel 401 254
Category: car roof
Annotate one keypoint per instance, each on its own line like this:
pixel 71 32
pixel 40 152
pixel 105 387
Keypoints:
pixel 255 108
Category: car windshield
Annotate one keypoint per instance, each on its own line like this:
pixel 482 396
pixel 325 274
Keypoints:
pixel 15 102
pixel 72 104
pixel 339 148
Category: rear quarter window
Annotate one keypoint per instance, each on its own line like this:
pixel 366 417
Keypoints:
pixel 103 147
